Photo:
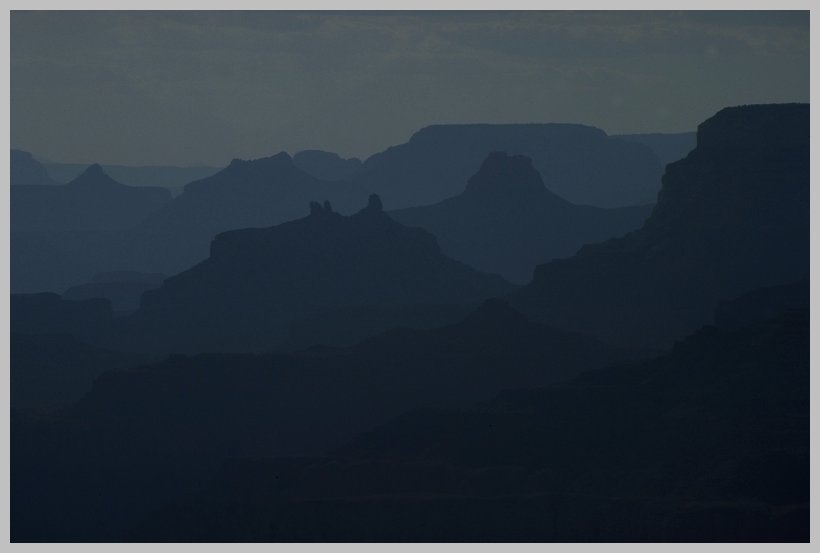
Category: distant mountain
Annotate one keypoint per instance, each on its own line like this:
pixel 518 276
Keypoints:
pixel 668 147
pixel 327 165
pixel 165 176
pixel 731 217
pixel 581 164
pixel 256 281
pixel 507 222
pixel 256 193
pixel 26 171
pixel 92 201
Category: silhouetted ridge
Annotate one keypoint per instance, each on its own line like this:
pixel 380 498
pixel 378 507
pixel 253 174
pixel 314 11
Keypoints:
pixel 279 166
pixel 445 133
pixel 667 147
pixel 731 217
pixel 166 176
pixel 763 304
pixel 95 177
pixel 258 281
pixel 326 165
pixel 755 153
pixel 171 237
pixel 579 163
pixel 768 129
pixel 93 201
pixel 27 171
pixel 506 221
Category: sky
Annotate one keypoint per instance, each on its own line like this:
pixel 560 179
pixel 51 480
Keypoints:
pixel 201 88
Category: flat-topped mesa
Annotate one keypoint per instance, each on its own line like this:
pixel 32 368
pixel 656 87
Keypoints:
pixel 445 133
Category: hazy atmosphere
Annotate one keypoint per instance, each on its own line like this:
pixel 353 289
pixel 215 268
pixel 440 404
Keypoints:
pixel 202 88
pixel 410 277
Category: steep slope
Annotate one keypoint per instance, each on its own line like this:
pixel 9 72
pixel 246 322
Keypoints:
pixel 582 164
pixel 507 222
pixel 668 147
pixel 256 281
pixel 93 201
pixel 27 171
pixel 731 217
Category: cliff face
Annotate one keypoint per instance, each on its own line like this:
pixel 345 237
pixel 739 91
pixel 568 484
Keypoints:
pixel 732 216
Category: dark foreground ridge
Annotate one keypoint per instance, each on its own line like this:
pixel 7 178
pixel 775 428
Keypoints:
pixel 706 443
pixel 339 378
pixel 731 217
